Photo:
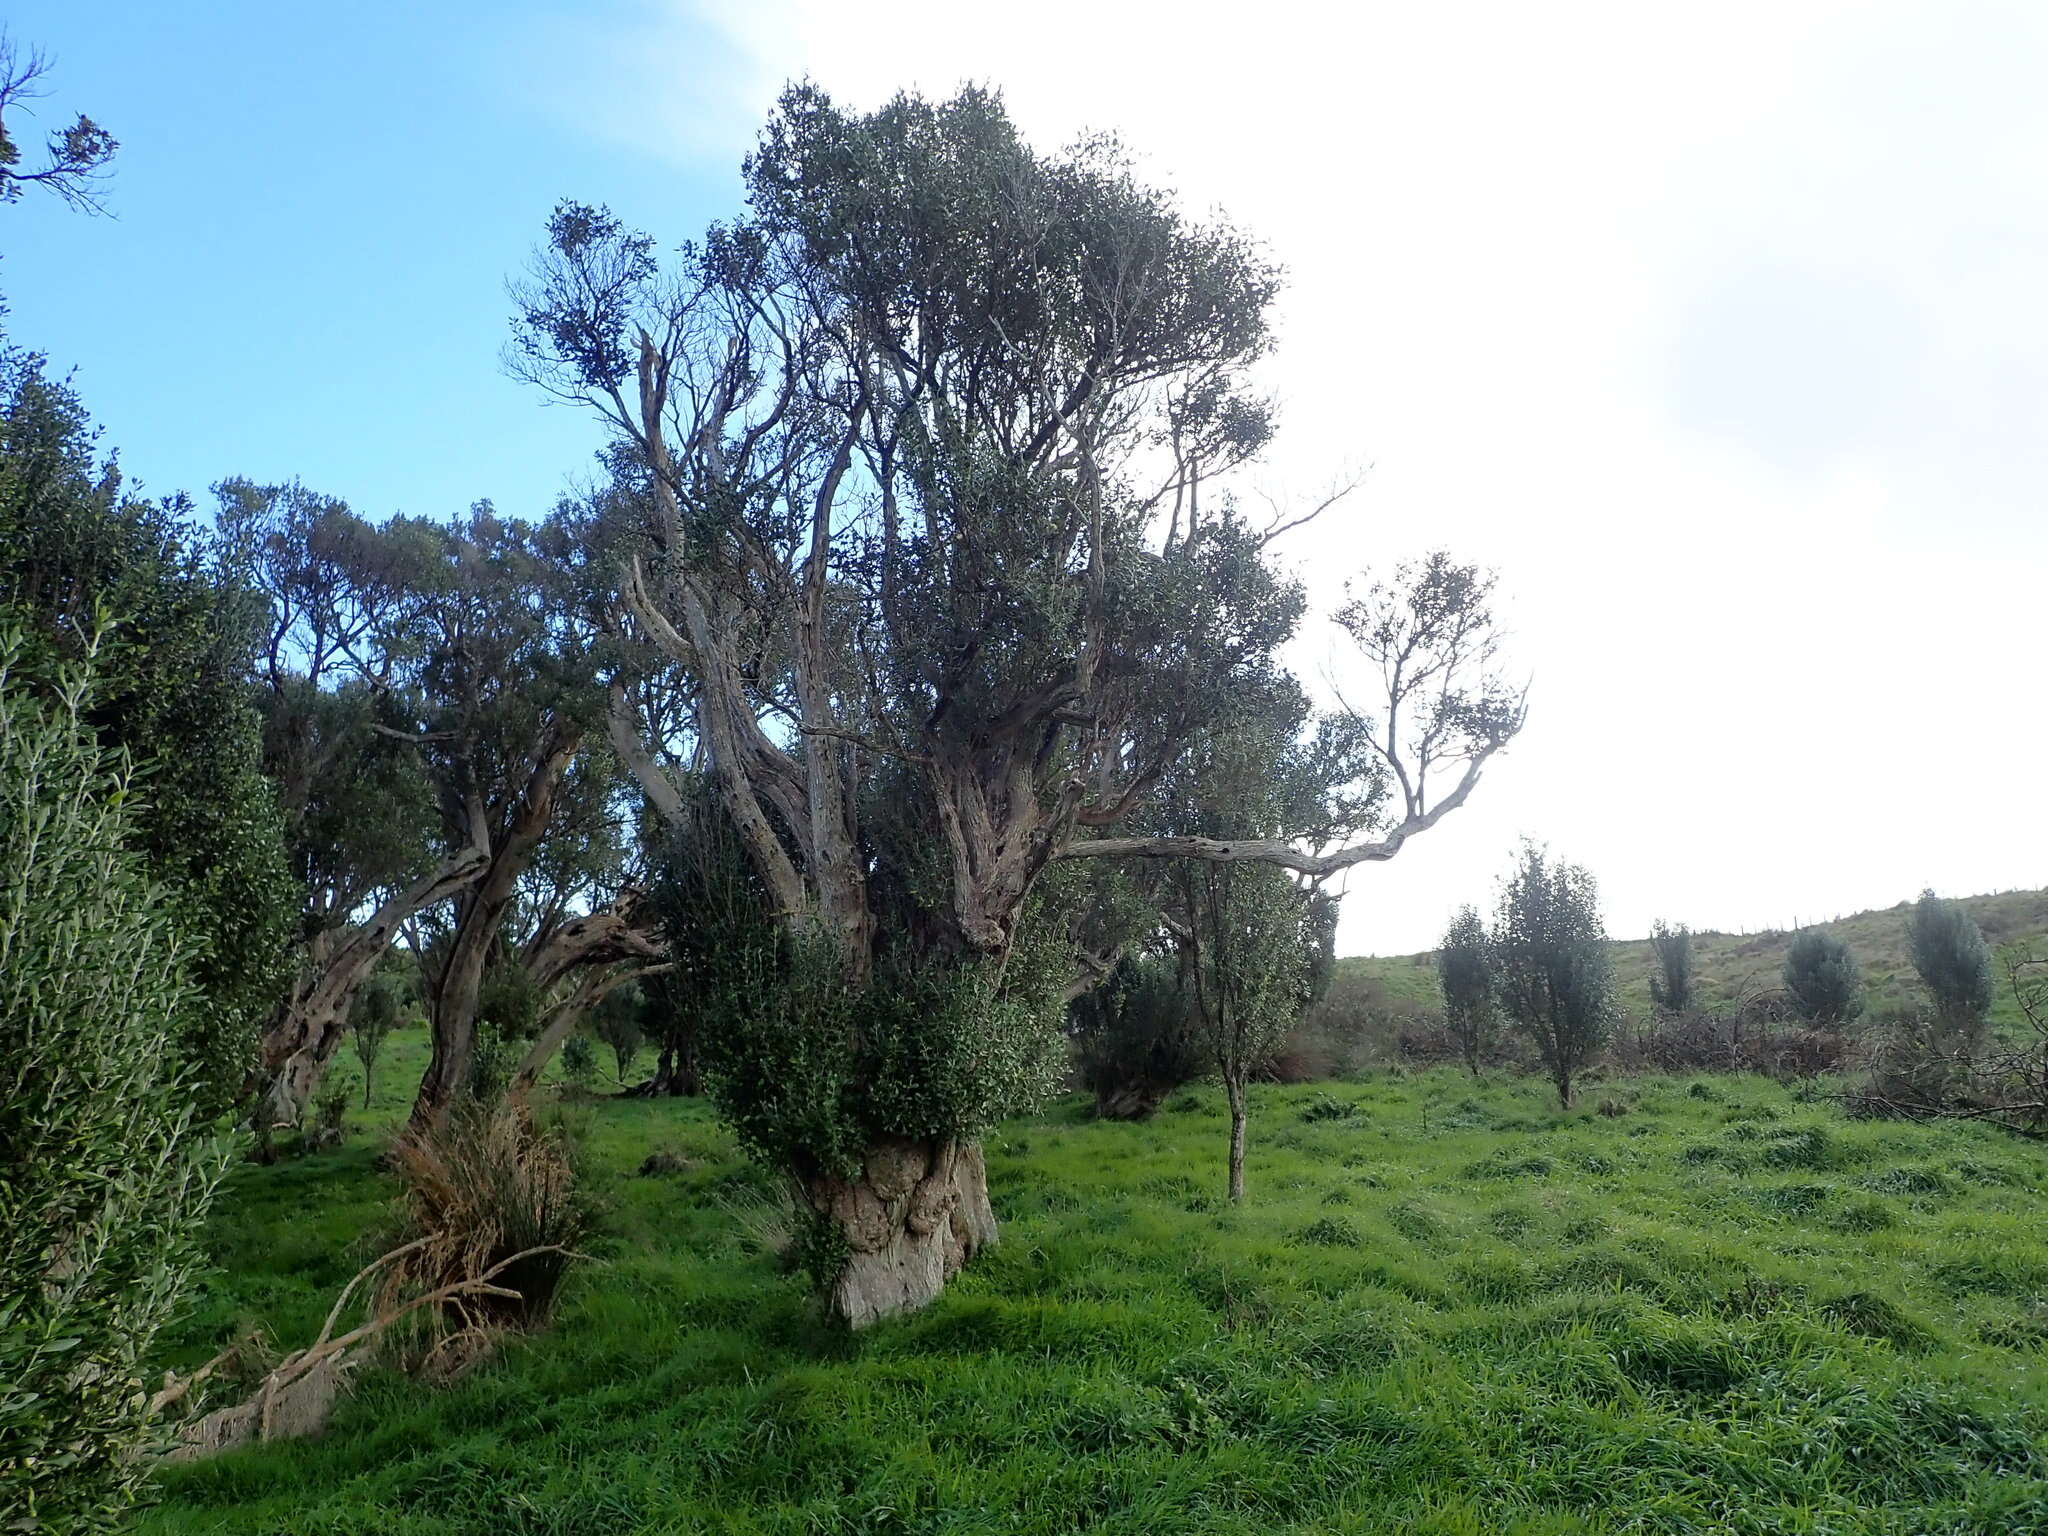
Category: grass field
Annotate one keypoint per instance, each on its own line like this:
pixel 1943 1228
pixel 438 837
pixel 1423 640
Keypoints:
pixel 1731 966
pixel 1446 1308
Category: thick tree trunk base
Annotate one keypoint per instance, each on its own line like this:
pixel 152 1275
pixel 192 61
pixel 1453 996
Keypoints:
pixel 918 1212
pixel 288 1088
pixel 1131 1102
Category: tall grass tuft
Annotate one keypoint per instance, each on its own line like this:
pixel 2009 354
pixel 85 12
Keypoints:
pixel 488 1189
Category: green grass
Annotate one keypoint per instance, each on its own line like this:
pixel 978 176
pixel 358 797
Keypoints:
pixel 1730 967
pixel 1447 1308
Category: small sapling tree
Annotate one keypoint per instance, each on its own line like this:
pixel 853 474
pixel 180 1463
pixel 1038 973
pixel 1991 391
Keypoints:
pixel 1464 962
pixel 1822 978
pixel 1552 963
pixel 1671 982
pixel 1247 950
pixel 1954 964
pixel 617 1023
pixel 375 1016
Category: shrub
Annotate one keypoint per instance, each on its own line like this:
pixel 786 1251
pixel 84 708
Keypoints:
pixel 1326 1106
pixel 373 1018
pixel 1134 1041
pixel 1465 973
pixel 105 1182
pixel 618 1025
pixel 329 1119
pixel 1671 982
pixel 79 552
pixel 579 1062
pixel 1821 976
pixel 1552 959
pixel 1954 963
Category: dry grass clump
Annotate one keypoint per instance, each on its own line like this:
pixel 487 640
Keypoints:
pixel 489 1194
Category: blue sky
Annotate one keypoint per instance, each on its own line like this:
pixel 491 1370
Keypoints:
pixel 1719 331
pixel 315 211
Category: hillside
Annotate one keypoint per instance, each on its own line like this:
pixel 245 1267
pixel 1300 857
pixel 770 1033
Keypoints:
pixel 1733 966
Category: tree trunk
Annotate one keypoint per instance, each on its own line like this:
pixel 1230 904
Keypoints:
pixel 915 1214
pixel 596 983
pixel 478 919
pixel 454 1016
pixel 302 1038
pixel 1235 1088
pixel 675 1071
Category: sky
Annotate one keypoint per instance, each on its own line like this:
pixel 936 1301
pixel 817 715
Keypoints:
pixel 1719 332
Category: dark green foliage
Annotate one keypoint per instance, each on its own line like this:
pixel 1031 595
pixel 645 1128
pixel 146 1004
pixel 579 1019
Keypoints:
pixel 1671 981
pixel 1822 978
pixel 579 1062
pixel 169 691
pixel 375 1015
pixel 1134 1038
pixel 1464 962
pixel 103 1179
pixel 618 1023
pixel 811 1068
pixel 1552 964
pixel 1953 961
pixel 339 626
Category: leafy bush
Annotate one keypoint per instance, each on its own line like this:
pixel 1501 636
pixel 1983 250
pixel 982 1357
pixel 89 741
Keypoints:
pixel 579 1062
pixel 1133 1039
pixel 80 556
pixel 1821 976
pixel 1671 982
pixel 1465 972
pixel 373 1018
pixel 1555 970
pixel 1327 1106
pixel 1954 963
pixel 811 1069
pixel 618 1025
pixel 329 1119
pixel 103 1181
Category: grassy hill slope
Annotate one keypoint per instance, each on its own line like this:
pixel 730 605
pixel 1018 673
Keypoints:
pixel 1733 966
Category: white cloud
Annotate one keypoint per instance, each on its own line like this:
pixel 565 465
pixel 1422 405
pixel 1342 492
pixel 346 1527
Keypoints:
pixel 1720 330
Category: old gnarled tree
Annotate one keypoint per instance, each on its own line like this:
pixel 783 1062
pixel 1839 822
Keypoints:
pixel 914 459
